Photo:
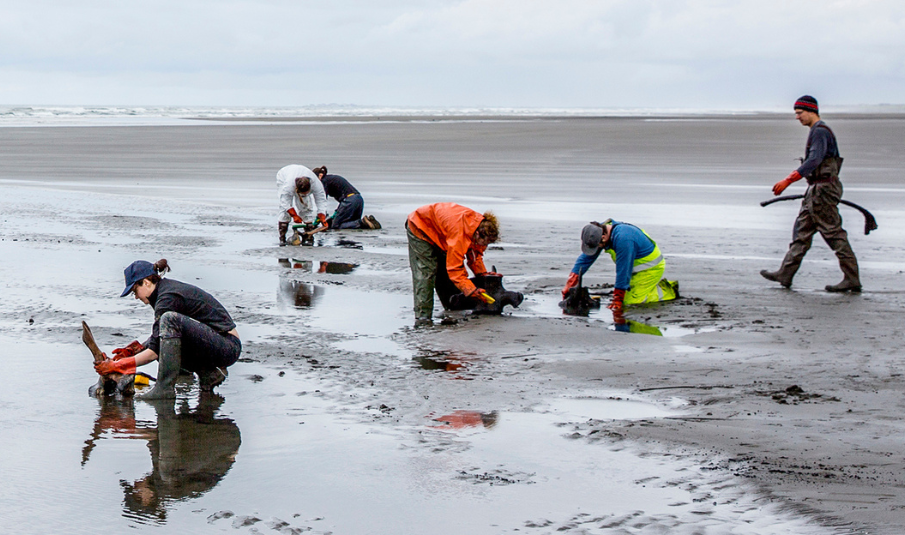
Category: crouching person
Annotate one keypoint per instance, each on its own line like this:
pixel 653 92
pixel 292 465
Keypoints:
pixel 191 331
pixel 442 237
pixel 639 264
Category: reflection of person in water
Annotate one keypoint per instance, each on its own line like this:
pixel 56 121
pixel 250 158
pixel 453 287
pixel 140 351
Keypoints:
pixel 636 327
pixel 461 419
pixel 191 451
pixel 298 294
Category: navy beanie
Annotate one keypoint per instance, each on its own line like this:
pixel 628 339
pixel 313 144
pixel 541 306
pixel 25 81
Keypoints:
pixel 807 103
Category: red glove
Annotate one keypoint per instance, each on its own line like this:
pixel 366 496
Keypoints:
pixel 616 304
pixel 323 219
pixel 491 274
pixel 294 215
pixel 124 365
pixel 780 186
pixel 130 350
pixel 570 283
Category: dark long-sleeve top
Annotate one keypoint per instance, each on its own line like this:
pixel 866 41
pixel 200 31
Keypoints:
pixel 174 296
pixel 821 143
pixel 338 187
pixel 629 244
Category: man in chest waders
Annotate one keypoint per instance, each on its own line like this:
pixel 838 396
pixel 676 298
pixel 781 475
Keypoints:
pixel 820 207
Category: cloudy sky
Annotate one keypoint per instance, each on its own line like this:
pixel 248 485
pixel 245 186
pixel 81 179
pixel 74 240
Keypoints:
pixel 716 54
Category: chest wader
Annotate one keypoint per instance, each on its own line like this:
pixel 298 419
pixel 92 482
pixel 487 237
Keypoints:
pixel 820 213
pixel 647 284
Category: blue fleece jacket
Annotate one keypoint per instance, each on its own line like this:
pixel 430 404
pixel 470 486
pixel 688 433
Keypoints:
pixel 629 243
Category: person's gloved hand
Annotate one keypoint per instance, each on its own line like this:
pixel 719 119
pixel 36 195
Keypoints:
pixel 482 296
pixel 130 350
pixel 295 216
pixel 491 274
pixel 780 186
pixel 616 304
pixel 323 219
pixel 107 366
pixel 570 283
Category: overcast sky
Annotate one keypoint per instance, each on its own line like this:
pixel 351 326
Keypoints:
pixel 716 54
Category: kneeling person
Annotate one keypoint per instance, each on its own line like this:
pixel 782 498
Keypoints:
pixel 442 237
pixel 192 331
pixel 351 204
pixel 639 264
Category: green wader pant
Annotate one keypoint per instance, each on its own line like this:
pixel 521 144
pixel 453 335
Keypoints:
pixel 428 263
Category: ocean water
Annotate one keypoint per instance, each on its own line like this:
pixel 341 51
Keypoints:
pixel 172 115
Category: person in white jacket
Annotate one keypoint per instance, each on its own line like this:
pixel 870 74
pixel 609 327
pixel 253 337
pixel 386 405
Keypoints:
pixel 302 198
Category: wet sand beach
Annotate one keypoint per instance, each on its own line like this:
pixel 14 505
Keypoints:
pixel 740 408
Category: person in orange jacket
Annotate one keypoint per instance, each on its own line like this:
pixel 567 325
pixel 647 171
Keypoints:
pixel 442 237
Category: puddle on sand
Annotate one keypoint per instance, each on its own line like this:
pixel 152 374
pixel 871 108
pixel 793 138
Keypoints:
pixel 548 307
pixel 332 268
pixel 276 451
pixel 369 318
pixel 446 361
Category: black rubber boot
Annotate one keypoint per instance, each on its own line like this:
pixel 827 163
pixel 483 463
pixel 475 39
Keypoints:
pixel 284 228
pixel 169 361
pixel 208 379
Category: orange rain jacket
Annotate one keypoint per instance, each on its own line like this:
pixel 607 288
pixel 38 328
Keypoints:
pixel 451 227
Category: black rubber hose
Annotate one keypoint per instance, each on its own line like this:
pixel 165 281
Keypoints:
pixel 870 222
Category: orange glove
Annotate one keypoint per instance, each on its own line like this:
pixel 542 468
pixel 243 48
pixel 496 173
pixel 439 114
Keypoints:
pixel 570 283
pixel 616 304
pixel 323 219
pixel 294 215
pixel 780 186
pixel 124 365
pixel 130 350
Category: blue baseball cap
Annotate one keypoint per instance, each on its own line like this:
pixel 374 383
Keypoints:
pixel 136 272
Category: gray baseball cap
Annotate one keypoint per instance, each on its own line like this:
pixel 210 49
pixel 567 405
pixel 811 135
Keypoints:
pixel 590 239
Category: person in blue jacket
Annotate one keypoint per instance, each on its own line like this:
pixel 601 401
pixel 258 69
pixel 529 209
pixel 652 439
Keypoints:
pixel 639 264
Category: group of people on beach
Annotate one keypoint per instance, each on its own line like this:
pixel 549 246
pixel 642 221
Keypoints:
pixel 193 331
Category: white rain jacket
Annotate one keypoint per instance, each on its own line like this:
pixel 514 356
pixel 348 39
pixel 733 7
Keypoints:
pixel 307 206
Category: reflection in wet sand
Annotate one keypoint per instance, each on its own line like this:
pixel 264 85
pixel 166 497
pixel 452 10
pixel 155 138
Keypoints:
pixel 446 361
pixel 462 419
pixel 191 451
pixel 636 327
pixel 332 268
pixel 298 294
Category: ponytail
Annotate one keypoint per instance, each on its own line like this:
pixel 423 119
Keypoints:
pixel 161 267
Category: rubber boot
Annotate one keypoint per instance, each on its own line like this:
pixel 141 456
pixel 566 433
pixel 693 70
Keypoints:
pixel 284 228
pixel 208 379
pixel 775 276
pixel 168 362
pixel 851 282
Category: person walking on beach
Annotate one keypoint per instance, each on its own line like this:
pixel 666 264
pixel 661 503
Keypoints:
pixel 191 331
pixel 639 264
pixel 442 237
pixel 302 198
pixel 820 207
pixel 351 204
